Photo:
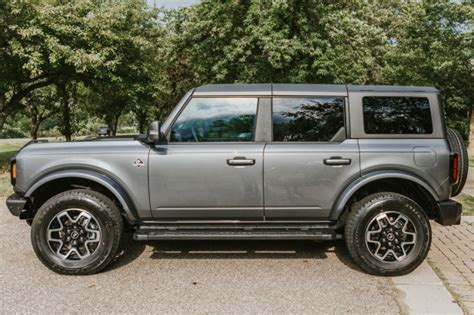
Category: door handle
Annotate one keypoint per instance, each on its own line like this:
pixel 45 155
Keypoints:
pixel 240 160
pixel 337 160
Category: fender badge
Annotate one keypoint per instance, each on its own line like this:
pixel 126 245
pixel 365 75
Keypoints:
pixel 138 163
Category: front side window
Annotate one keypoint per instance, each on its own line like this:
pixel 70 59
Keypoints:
pixel 397 115
pixel 308 119
pixel 216 120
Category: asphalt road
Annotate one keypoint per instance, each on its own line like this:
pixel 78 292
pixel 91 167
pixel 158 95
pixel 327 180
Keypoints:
pixel 193 277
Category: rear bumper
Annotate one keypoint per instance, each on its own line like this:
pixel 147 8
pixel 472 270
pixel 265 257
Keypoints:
pixel 16 204
pixel 449 212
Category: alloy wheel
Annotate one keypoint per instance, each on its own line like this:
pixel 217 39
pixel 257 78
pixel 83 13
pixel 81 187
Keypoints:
pixel 390 236
pixel 74 234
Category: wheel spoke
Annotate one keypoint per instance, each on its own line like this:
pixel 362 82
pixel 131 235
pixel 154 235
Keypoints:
pixel 86 219
pixel 67 216
pixel 54 239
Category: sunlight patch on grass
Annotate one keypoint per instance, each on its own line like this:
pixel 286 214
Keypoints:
pixel 5 186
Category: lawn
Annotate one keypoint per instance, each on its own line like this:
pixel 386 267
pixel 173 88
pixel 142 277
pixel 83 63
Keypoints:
pixel 7 150
pixel 467 203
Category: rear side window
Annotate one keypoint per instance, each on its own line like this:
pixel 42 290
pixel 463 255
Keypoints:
pixel 397 115
pixel 319 119
pixel 216 120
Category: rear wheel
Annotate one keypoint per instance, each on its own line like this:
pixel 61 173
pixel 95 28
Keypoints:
pixel 77 232
pixel 387 234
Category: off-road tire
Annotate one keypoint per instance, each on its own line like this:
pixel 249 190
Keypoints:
pixel 456 144
pixel 101 207
pixel 368 208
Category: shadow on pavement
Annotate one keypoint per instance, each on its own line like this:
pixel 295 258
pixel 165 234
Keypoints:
pixel 202 249
pixel 128 252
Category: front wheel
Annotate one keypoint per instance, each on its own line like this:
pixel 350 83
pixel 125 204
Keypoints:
pixel 388 234
pixel 77 232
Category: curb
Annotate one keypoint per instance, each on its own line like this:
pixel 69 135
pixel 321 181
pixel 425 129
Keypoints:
pixel 423 292
pixel 469 219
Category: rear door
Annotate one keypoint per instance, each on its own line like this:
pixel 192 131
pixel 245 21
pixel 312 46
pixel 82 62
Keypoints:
pixel 310 160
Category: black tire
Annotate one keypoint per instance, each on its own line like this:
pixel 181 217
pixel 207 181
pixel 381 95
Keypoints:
pixel 456 144
pixel 106 215
pixel 362 215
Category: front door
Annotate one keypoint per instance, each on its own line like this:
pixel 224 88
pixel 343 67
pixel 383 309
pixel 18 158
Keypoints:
pixel 211 168
pixel 310 158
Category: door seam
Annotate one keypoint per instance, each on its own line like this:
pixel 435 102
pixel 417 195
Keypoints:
pixel 263 180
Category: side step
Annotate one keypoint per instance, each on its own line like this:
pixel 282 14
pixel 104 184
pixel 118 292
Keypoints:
pixel 235 232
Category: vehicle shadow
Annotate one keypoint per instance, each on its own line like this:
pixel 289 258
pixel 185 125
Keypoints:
pixel 221 249
pixel 129 251
pixel 271 249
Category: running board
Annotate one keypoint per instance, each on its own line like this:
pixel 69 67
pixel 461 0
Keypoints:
pixel 235 232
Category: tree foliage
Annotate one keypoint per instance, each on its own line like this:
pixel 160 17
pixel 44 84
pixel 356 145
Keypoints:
pixel 95 43
pixel 110 58
pixel 342 42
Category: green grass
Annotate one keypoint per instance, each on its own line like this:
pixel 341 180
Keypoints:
pixel 467 203
pixel 6 152
pixel 471 161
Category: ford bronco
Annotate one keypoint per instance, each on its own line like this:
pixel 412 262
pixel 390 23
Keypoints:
pixel 368 164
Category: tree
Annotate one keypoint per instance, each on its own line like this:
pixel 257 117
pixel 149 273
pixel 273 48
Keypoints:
pixel 270 41
pixel 61 42
pixel 432 45
pixel 41 105
pixel 24 64
pixel 307 41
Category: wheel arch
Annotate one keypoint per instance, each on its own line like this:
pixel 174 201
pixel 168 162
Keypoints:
pixel 59 181
pixel 393 181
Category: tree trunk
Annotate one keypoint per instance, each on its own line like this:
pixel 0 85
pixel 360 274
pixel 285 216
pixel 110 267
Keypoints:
pixel 471 132
pixel 35 124
pixel 115 124
pixel 3 118
pixel 141 117
pixel 66 130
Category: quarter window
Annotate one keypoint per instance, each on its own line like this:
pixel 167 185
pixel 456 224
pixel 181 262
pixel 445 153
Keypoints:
pixel 397 115
pixel 216 120
pixel 308 119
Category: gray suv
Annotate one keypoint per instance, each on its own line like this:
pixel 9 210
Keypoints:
pixel 370 164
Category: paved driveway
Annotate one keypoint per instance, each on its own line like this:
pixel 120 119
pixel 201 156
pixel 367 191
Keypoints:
pixel 194 277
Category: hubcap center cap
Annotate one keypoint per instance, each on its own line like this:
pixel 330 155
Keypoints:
pixel 74 235
pixel 390 236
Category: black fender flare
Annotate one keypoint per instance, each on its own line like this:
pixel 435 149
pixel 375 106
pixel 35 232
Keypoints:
pixel 353 187
pixel 117 190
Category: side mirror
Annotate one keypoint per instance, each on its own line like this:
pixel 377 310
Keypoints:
pixel 154 134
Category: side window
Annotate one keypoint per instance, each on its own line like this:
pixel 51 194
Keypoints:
pixel 308 119
pixel 397 115
pixel 216 120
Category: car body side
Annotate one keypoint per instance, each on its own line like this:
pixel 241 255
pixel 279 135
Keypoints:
pixel 416 162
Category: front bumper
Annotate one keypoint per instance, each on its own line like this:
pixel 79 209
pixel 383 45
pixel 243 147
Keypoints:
pixel 16 204
pixel 449 212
